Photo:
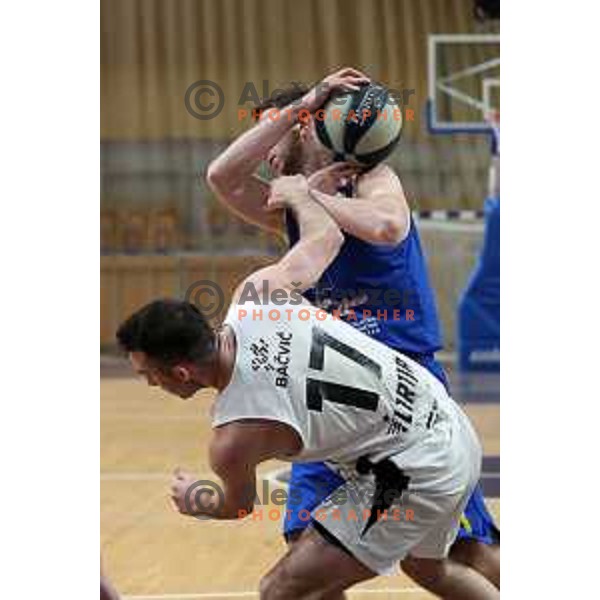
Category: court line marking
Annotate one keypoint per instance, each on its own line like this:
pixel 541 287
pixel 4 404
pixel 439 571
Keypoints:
pixel 199 596
pixel 135 476
pixel 116 416
pixel 164 476
pixel 450 226
pixel 271 477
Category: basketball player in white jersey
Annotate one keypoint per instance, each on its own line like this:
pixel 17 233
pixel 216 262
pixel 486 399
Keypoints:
pixel 298 384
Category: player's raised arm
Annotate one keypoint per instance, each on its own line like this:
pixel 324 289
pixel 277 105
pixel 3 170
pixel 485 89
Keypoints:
pixel 320 241
pixel 231 174
pixel 379 214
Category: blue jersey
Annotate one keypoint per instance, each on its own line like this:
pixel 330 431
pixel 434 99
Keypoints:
pixel 382 290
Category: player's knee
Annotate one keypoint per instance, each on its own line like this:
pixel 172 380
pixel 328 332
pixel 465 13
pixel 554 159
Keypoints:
pixel 265 587
pixel 278 586
pixel 466 551
pixel 485 559
pixel 428 573
pixel 271 587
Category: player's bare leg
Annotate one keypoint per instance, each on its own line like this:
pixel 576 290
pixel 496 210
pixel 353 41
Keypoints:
pixel 483 558
pixel 107 590
pixel 313 569
pixel 449 579
pixel 292 539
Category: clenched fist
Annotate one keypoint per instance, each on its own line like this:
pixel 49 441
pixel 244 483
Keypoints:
pixel 285 191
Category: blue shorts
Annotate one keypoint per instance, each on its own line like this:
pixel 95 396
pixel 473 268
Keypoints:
pixel 476 522
pixel 311 483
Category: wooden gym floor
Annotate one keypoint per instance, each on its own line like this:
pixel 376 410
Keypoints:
pixel 152 553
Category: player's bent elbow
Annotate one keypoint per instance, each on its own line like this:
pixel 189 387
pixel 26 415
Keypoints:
pixel 215 177
pixel 236 513
pixel 391 232
pixel 220 182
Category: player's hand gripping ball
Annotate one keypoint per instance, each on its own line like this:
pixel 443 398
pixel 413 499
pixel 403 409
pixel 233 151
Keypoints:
pixel 361 126
pixel 344 80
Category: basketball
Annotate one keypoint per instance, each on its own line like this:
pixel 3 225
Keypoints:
pixel 362 126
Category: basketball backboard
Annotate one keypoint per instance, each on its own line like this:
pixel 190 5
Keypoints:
pixel 463 82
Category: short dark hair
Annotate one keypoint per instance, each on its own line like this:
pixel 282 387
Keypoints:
pixel 282 98
pixel 168 331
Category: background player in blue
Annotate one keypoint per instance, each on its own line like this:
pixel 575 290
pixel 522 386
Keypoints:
pixel 380 267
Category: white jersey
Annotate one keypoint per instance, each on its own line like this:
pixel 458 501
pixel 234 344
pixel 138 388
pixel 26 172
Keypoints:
pixel 344 393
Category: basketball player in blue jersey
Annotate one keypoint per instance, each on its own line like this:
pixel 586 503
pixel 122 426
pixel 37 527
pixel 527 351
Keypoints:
pixel 378 281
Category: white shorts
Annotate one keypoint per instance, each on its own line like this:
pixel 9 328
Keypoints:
pixel 424 520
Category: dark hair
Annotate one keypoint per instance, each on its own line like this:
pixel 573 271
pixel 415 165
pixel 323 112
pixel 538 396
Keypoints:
pixel 168 331
pixel 282 98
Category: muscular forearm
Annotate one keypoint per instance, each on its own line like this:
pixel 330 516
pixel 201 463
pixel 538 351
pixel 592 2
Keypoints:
pixel 222 502
pixel 230 510
pixel 319 243
pixel 364 219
